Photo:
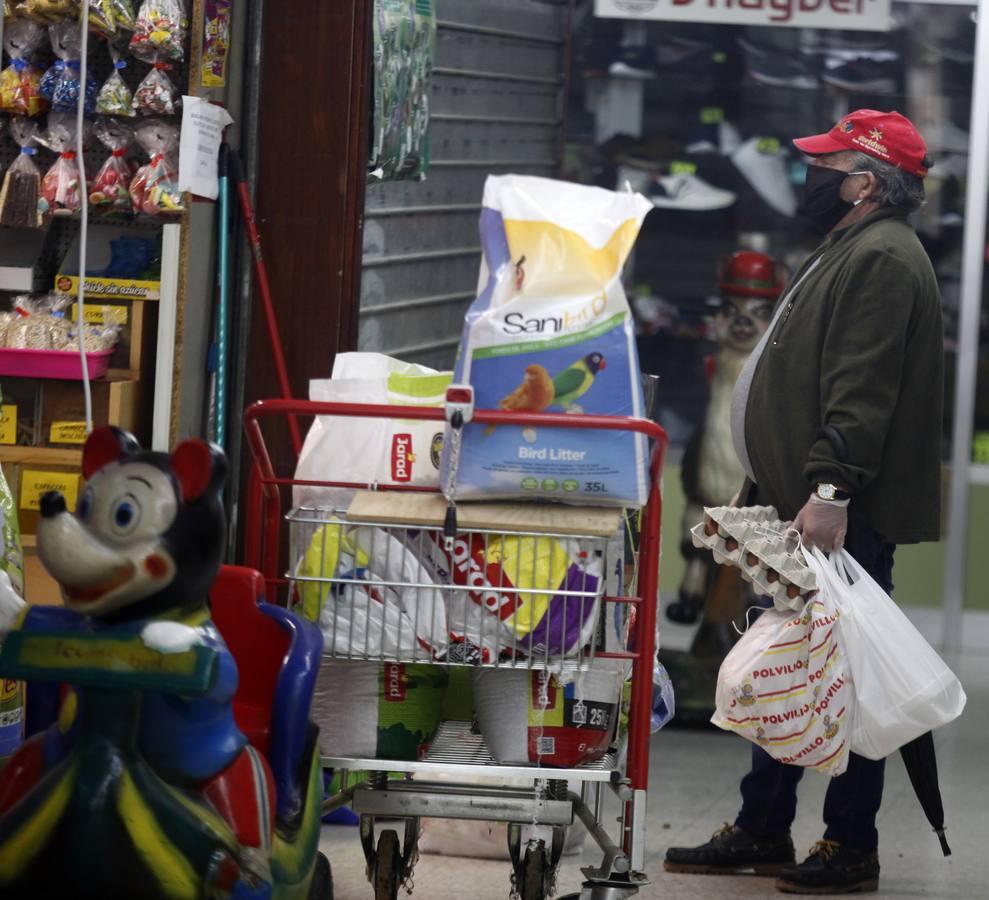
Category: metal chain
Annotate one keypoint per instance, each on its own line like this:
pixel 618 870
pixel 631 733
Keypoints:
pixel 513 891
pixel 456 436
pixel 408 882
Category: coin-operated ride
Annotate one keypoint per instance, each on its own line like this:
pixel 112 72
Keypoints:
pixel 182 762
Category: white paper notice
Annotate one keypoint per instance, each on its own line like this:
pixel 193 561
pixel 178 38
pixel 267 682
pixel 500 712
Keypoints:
pixel 199 149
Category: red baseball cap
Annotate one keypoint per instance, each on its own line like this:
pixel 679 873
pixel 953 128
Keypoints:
pixel 750 274
pixel 888 136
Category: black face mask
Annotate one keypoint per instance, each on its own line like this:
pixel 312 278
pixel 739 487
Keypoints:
pixel 821 202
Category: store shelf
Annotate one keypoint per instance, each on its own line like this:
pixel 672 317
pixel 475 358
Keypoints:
pixel 456 750
pixel 44 456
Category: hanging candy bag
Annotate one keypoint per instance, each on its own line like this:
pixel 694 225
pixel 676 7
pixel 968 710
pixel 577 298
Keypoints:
pixel 123 15
pixel 20 82
pixel 160 31
pixel 111 186
pixel 62 191
pixel 156 95
pixel 47 10
pixel 115 97
pixel 101 17
pixel 155 188
pixel 62 82
pixel 21 184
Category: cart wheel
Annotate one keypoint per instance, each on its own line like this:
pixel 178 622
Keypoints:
pixel 534 872
pixel 387 867
pixel 322 880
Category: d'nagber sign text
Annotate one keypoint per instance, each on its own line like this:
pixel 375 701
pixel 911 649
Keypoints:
pixel 852 15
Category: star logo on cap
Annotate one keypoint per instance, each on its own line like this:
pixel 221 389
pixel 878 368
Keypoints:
pixel 876 134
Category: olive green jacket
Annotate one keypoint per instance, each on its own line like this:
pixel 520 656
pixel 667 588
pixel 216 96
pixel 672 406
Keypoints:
pixel 849 387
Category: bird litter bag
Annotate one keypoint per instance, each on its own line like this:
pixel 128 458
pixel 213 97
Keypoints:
pixel 372 711
pixel 551 331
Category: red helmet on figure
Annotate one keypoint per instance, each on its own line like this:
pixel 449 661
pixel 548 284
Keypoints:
pixel 751 274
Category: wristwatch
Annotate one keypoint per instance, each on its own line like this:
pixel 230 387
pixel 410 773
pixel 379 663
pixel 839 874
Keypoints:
pixel 830 492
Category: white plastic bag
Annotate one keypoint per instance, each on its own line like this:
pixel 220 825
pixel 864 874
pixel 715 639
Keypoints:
pixel 786 687
pixel 362 450
pixel 902 687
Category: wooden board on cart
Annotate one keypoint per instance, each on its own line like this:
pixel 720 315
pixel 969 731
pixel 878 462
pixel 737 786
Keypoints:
pixel 399 508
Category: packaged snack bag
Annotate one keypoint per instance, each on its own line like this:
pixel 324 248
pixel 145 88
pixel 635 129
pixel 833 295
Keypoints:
pixel 11 578
pixel 62 189
pixel 111 186
pixel 154 189
pixel 551 331
pixel 115 98
pixel 62 82
pixel 22 183
pixel 20 82
pixel 160 31
pixel 47 10
pixel 156 95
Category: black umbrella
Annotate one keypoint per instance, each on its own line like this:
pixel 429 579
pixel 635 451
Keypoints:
pixel 921 762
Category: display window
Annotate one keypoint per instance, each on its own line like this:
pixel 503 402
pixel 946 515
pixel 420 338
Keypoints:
pixel 699 116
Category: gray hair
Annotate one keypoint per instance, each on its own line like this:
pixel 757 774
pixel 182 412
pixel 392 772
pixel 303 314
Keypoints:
pixel 894 186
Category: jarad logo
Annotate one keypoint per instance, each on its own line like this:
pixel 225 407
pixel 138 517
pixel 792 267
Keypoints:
pixel 395 683
pixel 401 458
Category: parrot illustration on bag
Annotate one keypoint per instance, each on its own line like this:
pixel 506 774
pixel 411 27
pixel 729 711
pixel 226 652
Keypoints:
pixel 534 394
pixel 574 382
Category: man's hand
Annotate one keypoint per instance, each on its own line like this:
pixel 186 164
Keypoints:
pixel 823 523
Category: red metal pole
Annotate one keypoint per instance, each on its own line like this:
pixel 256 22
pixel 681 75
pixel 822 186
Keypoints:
pixel 264 289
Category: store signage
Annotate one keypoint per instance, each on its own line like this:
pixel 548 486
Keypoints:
pixel 8 424
pixel 67 433
pixel 849 15
pixel 34 485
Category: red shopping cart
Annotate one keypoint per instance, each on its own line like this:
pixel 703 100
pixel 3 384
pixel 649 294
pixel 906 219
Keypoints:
pixel 616 621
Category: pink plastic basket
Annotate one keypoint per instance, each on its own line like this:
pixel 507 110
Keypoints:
pixel 52 363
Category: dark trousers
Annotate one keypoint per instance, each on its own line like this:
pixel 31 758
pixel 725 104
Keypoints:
pixel 769 791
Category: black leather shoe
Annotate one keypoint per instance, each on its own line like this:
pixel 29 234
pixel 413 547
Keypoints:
pixel 832 869
pixel 732 851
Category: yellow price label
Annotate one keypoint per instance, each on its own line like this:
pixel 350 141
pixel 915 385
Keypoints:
pixel 34 485
pixel 712 115
pixel 102 315
pixel 980 447
pixel 67 433
pixel 768 145
pixel 8 424
pixel 683 168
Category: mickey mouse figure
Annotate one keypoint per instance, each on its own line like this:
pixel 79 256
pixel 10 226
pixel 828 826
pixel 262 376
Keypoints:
pixel 137 559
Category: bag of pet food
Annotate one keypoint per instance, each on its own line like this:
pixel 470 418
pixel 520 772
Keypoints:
pixel 525 595
pixel 377 711
pixel 532 717
pixel 551 331
pixel 364 450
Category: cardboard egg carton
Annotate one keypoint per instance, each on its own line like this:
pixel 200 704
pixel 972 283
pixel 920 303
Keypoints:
pixel 755 539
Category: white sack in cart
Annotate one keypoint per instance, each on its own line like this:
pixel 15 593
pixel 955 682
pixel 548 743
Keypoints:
pixel 380 602
pixel 786 686
pixel 372 711
pixel 551 331
pixel 903 689
pixel 386 451
pixel 530 717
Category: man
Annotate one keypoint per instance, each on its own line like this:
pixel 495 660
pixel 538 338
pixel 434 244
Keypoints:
pixel 837 422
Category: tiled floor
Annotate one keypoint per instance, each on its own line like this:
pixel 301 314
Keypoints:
pixel 695 778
